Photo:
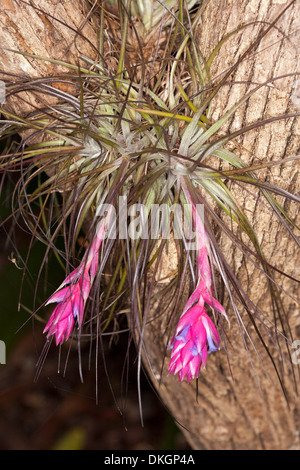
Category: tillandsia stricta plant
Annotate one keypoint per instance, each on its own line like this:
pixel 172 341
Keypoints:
pixel 134 142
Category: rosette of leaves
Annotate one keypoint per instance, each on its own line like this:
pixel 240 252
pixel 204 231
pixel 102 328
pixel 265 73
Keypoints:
pixel 139 126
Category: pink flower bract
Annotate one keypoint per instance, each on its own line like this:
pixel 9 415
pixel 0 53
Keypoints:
pixel 71 301
pixel 73 293
pixel 195 330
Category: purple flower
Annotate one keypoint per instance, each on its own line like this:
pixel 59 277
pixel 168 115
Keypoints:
pixel 195 330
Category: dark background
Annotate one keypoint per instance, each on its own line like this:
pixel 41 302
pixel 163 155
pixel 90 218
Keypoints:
pixel 56 410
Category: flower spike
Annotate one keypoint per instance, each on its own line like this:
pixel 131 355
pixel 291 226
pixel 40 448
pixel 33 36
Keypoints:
pixel 72 294
pixel 195 330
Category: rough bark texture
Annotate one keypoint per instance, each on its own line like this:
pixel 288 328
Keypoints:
pixel 54 29
pixel 232 411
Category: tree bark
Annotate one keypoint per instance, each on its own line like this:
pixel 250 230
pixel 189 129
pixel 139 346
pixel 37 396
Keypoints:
pixel 51 29
pixel 243 406
pixel 239 403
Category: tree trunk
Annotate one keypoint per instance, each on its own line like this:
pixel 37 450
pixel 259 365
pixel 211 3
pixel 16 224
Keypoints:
pixel 51 29
pixel 243 406
pixel 240 403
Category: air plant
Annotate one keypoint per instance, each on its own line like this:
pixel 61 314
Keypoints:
pixel 138 129
pixel 195 328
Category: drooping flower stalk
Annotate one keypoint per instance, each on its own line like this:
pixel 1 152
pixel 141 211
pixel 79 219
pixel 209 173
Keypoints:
pixel 74 291
pixel 195 330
